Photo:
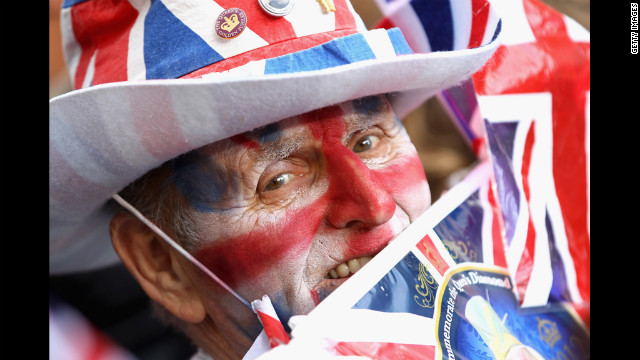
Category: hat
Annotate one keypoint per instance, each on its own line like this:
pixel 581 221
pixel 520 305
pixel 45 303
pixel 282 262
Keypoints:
pixel 155 79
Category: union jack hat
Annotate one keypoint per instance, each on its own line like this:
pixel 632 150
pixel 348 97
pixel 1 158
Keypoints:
pixel 154 79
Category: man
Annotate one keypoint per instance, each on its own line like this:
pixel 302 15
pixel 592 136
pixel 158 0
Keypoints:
pixel 271 151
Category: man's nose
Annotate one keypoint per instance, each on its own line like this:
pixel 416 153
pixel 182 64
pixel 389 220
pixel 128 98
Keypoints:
pixel 357 194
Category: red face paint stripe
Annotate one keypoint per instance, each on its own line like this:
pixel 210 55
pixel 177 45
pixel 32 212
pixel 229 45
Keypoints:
pixel 245 142
pixel 244 258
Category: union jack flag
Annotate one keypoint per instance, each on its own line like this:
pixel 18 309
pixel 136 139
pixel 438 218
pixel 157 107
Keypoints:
pixel 529 108
pixel 534 96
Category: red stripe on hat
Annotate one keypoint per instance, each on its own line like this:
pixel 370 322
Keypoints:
pixel 344 17
pixel 268 52
pixel 107 32
pixel 272 29
pixel 480 11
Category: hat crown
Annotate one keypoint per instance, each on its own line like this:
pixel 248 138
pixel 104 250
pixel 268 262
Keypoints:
pixel 110 41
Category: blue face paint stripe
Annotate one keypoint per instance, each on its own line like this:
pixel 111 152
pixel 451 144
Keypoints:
pixel 269 133
pixel 202 182
pixel 368 104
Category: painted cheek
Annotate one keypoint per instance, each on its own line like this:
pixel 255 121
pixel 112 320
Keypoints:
pixel 357 197
pixel 406 181
pixel 254 256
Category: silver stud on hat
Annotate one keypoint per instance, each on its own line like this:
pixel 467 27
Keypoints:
pixel 277 7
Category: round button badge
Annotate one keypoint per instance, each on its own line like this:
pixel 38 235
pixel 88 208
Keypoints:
pixel 277 7
pixel 230 23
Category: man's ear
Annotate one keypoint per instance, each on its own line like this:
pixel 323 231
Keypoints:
pixel 157 267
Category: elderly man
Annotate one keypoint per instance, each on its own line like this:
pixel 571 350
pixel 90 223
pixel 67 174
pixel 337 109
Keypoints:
pixel 265 141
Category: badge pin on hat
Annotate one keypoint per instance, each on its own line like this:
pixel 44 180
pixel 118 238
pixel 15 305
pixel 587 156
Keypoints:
pixel 283 7
pixel 277 7
pixel 230 23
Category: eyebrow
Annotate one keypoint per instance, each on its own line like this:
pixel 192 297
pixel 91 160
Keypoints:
pixel 363 118
pixel 280 149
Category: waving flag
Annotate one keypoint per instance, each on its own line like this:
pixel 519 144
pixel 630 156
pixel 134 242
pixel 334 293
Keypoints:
pixel 534 95
pixel 529 106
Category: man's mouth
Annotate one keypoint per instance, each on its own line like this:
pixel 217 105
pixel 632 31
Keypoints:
pixel 347 268
pixel 338 276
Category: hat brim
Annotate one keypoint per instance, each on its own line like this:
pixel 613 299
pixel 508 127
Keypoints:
pixel 104 137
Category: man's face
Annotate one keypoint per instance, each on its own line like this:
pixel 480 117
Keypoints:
pixel 279 208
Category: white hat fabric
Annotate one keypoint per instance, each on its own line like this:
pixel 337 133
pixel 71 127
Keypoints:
pixel 154 79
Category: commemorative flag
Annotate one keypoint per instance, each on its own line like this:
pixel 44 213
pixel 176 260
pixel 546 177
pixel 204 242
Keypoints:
pixel 438 291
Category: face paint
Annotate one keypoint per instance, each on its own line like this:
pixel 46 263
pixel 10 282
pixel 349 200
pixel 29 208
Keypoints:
pixel 344 205
pixel 203 182
pixel 362 196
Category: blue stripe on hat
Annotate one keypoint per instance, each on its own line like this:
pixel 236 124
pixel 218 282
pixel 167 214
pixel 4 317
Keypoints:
pixel 341 51
pixel 70 3
pixel 171 49
pixel 437 21
pixel 336 52
pixel 398 41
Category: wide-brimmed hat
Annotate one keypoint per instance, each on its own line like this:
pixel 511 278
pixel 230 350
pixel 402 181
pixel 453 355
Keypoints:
pixel 155 79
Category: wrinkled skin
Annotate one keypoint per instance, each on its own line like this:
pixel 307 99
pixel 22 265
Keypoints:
pixel 281 206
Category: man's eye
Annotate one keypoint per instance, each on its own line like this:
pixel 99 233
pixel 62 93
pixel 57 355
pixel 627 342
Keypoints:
pixel 366 143
pixel 278 181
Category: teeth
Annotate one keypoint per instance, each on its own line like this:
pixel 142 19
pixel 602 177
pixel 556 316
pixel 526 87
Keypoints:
pixel 350 267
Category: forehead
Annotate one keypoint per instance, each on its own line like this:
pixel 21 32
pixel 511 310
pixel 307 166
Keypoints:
pixel 278 139
pixel 211 174
pixel 354 115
